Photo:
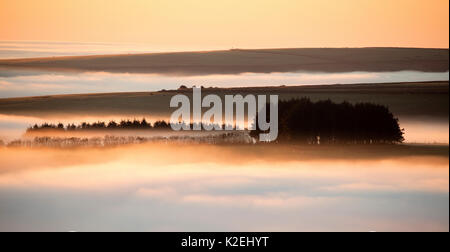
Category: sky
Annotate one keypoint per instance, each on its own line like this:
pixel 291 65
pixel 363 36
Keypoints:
pixel 206 24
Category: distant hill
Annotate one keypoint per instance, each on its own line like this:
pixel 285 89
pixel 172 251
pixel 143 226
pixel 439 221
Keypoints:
pixel 255 60
pixel 421 99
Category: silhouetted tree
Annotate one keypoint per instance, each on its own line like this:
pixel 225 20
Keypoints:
pixel 161 125
pixel 112 125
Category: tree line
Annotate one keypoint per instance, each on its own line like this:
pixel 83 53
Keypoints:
pixel 299 120
pixel 326 122
pixel 57 142
pixel 112 125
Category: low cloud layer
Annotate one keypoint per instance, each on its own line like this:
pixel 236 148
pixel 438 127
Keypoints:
pixel 202 189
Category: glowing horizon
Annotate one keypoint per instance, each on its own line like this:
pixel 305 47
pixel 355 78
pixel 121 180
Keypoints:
pixel 207 25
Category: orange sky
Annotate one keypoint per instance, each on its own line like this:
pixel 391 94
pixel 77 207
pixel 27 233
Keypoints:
pixel 207 24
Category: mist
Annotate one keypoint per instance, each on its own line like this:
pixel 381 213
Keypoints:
pixel 211 188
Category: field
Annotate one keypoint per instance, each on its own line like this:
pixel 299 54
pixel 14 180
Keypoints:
pixel 418 100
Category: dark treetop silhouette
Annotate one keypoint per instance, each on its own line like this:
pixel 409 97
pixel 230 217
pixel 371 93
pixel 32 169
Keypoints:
pixel 325 122
pixel 300 120
pixel 112 125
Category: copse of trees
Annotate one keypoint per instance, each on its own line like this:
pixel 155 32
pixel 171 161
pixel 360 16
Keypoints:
pixel 326 122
